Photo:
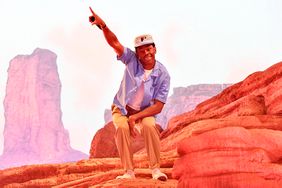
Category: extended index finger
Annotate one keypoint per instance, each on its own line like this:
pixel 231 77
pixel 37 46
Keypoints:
pixel 91 11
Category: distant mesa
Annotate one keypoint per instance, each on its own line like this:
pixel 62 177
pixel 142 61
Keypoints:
pixel 185 99
pixel 34 132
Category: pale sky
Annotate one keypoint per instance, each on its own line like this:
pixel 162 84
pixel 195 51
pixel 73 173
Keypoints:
pixel 199 41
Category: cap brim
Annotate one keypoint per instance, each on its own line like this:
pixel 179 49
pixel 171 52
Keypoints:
pixel 143 43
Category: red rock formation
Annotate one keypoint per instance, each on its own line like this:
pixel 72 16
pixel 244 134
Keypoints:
pixel 99 172
pixel 266 83
pixel 232 137
pixel 231 150
pixel 231 140
pixel 182 100
pixel 103 143
pixel 34 132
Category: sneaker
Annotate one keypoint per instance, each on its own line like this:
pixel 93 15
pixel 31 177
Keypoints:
pixel 128 175
pixel 158 175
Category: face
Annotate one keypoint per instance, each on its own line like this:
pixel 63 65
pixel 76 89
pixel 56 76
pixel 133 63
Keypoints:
pixel 146 55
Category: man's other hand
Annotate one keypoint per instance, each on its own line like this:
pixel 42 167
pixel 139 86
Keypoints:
pixel 131 122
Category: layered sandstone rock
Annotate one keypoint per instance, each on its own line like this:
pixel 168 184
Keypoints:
pixel 228 157
pixel 264 85
pixel 232 140
pixel 103 143
pixel 87 173
pixel 34 132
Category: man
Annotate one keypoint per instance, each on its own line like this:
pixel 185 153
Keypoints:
pixel 142 95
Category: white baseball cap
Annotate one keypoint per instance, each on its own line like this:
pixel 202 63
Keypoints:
pixel 143 40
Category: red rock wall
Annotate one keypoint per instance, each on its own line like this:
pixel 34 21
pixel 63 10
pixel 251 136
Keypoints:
pixel 233 139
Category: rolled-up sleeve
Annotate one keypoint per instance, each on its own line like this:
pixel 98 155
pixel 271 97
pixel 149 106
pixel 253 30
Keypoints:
pixel 127 56
pixel 163 89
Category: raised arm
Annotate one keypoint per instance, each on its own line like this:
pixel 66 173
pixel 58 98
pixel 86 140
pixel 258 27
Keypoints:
pixel 109 35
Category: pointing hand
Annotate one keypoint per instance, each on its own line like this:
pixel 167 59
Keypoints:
pixel 94 19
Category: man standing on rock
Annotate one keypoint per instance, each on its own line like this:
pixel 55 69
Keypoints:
pixel 142 95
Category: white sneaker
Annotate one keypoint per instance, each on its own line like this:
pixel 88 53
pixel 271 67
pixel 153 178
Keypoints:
pixel 128 175
pixel 158 175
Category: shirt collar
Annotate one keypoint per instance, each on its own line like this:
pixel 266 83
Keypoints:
pixel 155 71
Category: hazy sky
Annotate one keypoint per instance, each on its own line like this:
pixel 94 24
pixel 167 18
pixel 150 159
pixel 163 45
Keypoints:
pixel 199 41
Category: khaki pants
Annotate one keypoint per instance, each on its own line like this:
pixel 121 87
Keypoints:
pixel 123 139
